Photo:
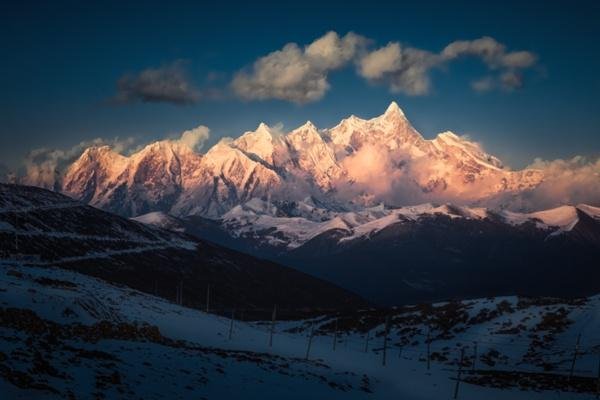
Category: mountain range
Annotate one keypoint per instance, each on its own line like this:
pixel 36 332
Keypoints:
pixel 370 205
pixel 358 163
pixel 418 253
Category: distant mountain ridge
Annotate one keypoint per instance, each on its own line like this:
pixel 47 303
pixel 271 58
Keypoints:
pixel 356 164
pixel 419 253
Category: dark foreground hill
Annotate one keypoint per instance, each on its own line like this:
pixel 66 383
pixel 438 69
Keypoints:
pixel 40 227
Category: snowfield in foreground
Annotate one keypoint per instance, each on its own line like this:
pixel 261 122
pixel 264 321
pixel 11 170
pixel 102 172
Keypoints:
pixel 84 338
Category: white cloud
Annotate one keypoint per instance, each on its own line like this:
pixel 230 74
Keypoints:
pixel 380 62
pixel 519 59
pixel 507 80
pixel 366 166
pixel 570 181
pixel 295 74
pixel 511 80
pixel 563 181
pixel 195 138
pixel 166 84
pixel 300 75
pixel 330 51
pixel 484 84
pixel 496 57
pixel 405 69
pixel 492 52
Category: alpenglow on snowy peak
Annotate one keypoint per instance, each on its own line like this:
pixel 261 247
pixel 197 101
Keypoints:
pixel 358 163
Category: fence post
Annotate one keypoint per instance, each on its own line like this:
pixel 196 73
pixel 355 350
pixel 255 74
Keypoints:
pixel 178 294
pixel 310 337
pixel 16 233
pixel 598 381
pixel 574 356
pixel 367 342
pixel 474 356
pixel 335 334
pixel 458 373
pixel 231 323
pixel 273 316
pixel 181 292
pixel 385 337
pixel 428 347
pixel 207 298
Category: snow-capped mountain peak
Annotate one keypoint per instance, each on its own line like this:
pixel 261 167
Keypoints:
pixel 393 111
pixel 390 129
pixel 262 142
pixel 308 126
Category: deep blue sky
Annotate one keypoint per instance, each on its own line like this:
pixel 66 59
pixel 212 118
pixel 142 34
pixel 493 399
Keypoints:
pixel 61 61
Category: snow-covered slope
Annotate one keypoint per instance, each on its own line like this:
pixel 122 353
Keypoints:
pixel 290 225
pixel 342 166
pixel 65 335
pixel 161 220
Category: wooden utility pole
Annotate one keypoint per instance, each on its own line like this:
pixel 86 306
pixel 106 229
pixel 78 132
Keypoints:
pixel 575 352
pixel 385 337
pixel 335 334
pixel 310 337
pixel 459 372
pixel 273 316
